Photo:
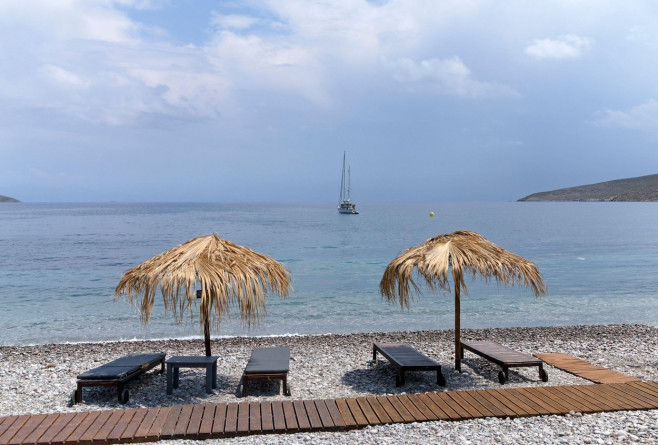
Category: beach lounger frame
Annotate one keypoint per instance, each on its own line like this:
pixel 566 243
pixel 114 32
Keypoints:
pixel 117 373
pixel 504 357
pixel 267 364
pixel 406 358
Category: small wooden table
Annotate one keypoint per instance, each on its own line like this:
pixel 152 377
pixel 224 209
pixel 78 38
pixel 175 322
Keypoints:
pixel 191 361
pixel 504 357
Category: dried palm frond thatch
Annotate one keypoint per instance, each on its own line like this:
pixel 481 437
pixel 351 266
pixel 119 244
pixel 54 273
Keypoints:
pixel 228 275
pixel 456 254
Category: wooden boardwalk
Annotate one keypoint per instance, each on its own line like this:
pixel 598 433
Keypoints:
pixel 232 419
pixel 584 369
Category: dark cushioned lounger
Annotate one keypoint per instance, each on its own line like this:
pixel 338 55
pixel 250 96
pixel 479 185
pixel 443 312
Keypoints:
pixel 117 372
pixel 267 364
pixel 504 357
pixel 406 358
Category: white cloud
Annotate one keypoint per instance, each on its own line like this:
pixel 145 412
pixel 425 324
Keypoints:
pixel 564 47
pixel 444 76
pixel 234 21
pixel 64 78
pixel 641 117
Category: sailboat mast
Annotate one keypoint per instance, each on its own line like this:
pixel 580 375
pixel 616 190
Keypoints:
pixel 342 181
pixel 349 182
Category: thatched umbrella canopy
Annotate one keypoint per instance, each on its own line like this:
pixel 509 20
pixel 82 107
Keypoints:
pixel 228 275
pixel 455 254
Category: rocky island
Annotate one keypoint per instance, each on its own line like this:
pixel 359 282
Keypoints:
pixel 7 199
pixel 640 189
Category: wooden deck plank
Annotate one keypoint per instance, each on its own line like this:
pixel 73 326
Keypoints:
pixel 409 406
pixel 267 421
pixel 632 391
pixel 436 409
pixel 367 410
pixel 584 392
pixel 391 412
pixel 136 420
pixel 144 428
pixel 612 403
pixel 444 405
pixel 158 423
pixel 379 410
pixel 167 431
pixel 290 416
pixel 104 430
pixel 617 395
pixel 536 407
pixel 194 425
pixel 422 407
pixel 579 404
pixel 303 421
pixel 518 406
pixel 345 413
pixel 57 426
pixel 183 421
pixel 547 407
pixel 231 424
pixel 325 416
pixel 207 419
pixel 335 414
pixel 454 405
pixel 88 421
pixel 357 414
pixel 399 407
pixel 255 423
pixel 649 387
pixel 13 428
pixel 645 388
pixel 584 369
pixel 122 424
pixel 278 417
pixel 70 427
pixel 460 398
pixel 29 428
pixel 499 409
pixel 557 401
pixel 218 419
pixel 579 397
pixel 478 403
pixel 313 415
pixel 243 418
pixel 548 404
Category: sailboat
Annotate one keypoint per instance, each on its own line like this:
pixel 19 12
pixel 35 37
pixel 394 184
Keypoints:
pixel 345 205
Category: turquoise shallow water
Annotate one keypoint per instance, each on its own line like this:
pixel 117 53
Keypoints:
pixel 60 263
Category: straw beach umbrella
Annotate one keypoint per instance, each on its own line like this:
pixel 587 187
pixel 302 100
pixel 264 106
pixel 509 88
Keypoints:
pixel 228 275
pixel 455 254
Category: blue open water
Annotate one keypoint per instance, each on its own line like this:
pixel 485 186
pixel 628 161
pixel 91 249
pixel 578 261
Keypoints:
pixel 60 263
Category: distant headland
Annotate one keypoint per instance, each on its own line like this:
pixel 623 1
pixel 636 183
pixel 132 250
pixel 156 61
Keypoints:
pixel 7 199
pixel 640 189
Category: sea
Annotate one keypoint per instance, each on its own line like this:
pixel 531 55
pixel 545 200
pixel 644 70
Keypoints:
pixel 60 264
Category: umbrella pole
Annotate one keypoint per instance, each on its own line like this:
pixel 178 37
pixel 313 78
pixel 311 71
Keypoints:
pixel 206 335
pixel 458 349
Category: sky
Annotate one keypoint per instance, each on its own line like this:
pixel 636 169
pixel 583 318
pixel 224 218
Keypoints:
pixel 256 100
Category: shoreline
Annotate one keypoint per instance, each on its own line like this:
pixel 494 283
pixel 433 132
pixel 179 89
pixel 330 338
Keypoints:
pixel 40 378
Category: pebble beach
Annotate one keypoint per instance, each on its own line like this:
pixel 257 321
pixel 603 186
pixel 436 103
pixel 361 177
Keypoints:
pixel 40 379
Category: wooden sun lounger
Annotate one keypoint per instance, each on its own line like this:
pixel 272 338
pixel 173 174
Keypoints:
pixel 267 364
pixel 504 357
pixel 118 372
pixel 406 358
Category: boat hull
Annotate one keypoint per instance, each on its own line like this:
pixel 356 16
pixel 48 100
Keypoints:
pixel 347 208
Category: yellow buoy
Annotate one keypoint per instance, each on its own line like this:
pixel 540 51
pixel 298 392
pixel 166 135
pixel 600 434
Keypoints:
pixel 432 214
